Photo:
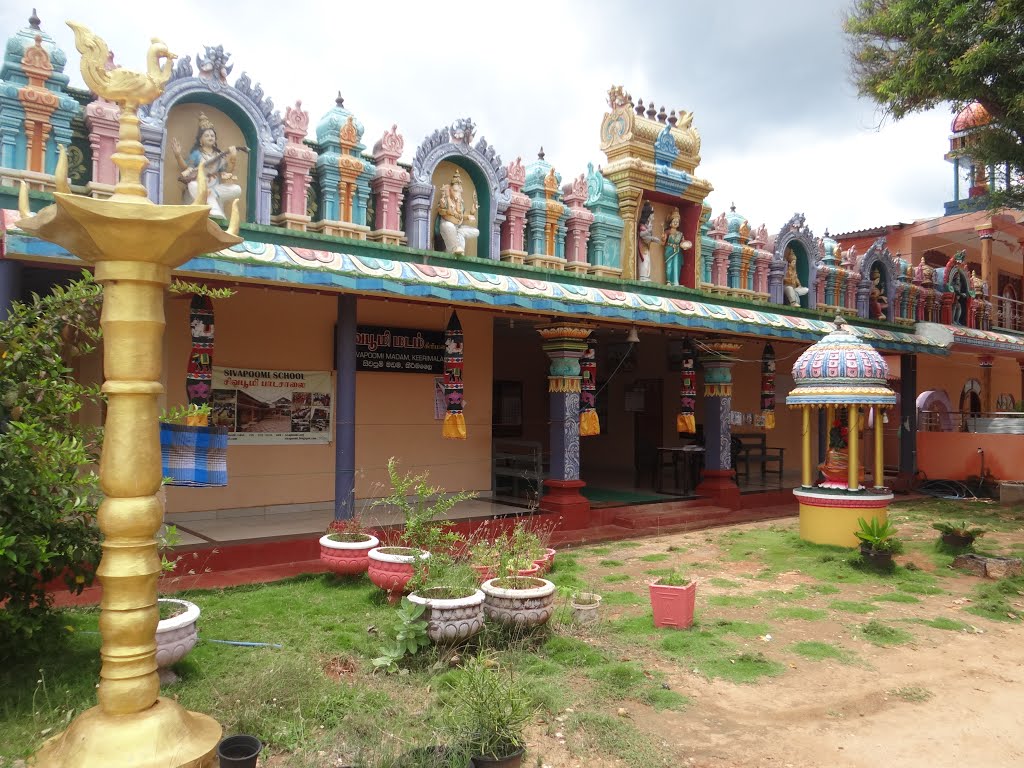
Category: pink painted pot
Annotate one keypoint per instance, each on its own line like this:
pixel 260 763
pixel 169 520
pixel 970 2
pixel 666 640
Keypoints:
pixel 533 570
pixel 392 569
pixel 546 562
pixel 673 606
pixel 347 558
pixel 486 572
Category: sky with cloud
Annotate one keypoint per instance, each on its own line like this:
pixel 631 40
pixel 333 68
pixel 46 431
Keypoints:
pixel 782 128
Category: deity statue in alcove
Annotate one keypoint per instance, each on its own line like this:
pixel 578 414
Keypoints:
pixel 674 244
pixel 451 209
pixel 217 164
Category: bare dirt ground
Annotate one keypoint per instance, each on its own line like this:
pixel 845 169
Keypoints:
pixel 946 698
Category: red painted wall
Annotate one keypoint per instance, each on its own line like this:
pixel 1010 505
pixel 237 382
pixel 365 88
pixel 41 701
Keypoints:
pixel 954 455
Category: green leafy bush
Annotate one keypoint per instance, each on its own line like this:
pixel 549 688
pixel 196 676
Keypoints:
pixel 879 536
pixel 48 487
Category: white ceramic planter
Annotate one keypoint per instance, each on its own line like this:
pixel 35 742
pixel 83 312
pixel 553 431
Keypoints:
pixel 585 612
pixel 175 637
pixel 450 620
pixel 521 607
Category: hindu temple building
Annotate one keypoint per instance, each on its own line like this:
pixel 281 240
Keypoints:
pixel 516 328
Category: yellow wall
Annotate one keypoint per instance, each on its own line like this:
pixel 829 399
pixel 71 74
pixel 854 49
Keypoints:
pixel 281 330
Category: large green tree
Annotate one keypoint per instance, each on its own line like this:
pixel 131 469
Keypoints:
pixel 914 55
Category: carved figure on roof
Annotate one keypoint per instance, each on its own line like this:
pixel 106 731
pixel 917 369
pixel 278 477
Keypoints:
pixel 878 303
pixel 452 210
pixel 214 63
pixel 674 244
pixel 645 236
pixel 218 165
pixel 791 287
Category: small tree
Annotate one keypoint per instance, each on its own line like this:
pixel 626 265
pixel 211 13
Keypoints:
pixel 48 487
pixel 914 55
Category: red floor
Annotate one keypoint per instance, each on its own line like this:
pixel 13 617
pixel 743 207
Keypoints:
pixel 266 561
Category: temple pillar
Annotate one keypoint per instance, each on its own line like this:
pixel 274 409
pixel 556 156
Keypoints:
pixel 345 409
pixel 629 210
pixel 565 345
pixel 986 361
pixel 296 165
pixel 879 448
pixel 853 449
pixel 908 418
pixel 10 285
pixel 805 467
pixel 985 233
pixel 719 480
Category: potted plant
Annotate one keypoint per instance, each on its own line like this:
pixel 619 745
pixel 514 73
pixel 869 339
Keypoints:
pixel 424 508
pixel 176 632
pixel 345 548
pixel 672 599
pixel 878 542
pixel 524 601
pixel 585 607
pixel 958 535
pixel 488 711
pixel 454 605
pixel 484 558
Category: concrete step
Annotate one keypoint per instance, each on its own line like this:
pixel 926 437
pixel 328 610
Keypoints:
pixel 668 515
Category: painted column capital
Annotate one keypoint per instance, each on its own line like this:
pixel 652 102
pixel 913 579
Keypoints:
pixel 985 231
pixel 564 345
pixel 985 361
pixel 717 358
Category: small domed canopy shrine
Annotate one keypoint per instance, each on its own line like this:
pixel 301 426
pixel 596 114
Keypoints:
pixel 846 376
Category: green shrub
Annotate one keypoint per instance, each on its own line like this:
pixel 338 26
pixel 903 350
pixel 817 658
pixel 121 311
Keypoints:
pixel 48 489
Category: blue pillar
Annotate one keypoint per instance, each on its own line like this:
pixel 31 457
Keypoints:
pixel 345 409
pixel 565 345
pixel 719 480
pixel 908 417
pixel 10 285
pixel 956 179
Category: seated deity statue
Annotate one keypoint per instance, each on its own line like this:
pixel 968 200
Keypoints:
pixel 453 214
pixel 791 288
pixel 878 302
pixel 217 164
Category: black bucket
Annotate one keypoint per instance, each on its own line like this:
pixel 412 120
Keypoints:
pixel 241 751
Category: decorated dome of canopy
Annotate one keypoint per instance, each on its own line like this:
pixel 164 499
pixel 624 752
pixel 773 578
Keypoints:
pixel 841 369
pixel 734 221
pixel 24 39
pixel 974 115
pixel 537 173
pixel 329 127
pixel 833 254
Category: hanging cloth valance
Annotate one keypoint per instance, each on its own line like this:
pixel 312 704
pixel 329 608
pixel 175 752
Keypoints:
pixel 454 420
pixel 686 423
pixel 589 423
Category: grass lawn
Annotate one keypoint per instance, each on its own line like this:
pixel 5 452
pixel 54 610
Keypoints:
pixel 776 617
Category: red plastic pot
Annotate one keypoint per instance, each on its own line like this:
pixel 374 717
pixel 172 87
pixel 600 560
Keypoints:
pixel 673 606
pixel 486 572
pixel 347 558
pixel 547 561
pixel 533 570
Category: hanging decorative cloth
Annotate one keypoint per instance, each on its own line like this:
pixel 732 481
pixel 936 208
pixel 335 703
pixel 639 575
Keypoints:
pixel 199 376
pixel 590 424
pixel 685 422
pixel 454 420
pixel 768 386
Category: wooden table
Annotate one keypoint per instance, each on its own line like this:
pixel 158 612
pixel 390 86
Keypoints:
pixel 690 457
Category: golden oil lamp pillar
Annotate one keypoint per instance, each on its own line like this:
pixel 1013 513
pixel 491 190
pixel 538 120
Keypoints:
pixel 134 244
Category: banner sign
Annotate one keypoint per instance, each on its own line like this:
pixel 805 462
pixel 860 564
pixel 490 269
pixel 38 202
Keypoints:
pixel 261 407
pixel 399 350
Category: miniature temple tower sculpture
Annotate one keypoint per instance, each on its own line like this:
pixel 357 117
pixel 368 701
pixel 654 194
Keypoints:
pixel 512 231
pixel 578 225
pixel 388 186
pixel 35 112
pixel 545 229
pixel 296 165
pixel 101 118
pixel 605 243
pixel 344 176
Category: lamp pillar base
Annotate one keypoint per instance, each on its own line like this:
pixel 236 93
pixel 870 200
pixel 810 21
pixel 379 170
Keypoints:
pixel 164 736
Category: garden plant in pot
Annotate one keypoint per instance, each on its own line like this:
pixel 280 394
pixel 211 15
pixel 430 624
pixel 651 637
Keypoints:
pixel 673 598
pixel 958 536
pixel 520 601
pixel 424 509
pixel 878 543
pixel 487 710
pixel 345 548
pixel 176 632
pixel 452 601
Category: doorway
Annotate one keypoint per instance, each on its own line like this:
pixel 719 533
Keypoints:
pixel 644 400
